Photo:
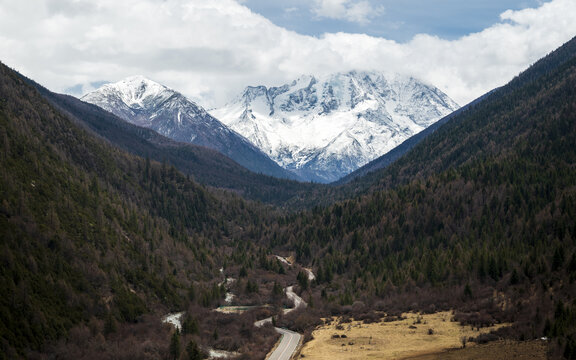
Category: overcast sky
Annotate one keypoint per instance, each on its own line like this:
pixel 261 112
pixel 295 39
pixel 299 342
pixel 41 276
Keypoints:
pixel 211 49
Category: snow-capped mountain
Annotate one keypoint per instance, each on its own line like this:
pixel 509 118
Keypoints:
pixel 324 128
pixel 146 103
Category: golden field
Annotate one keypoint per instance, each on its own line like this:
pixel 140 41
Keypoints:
pixel 402 339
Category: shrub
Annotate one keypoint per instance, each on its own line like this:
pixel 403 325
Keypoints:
pixel 485 338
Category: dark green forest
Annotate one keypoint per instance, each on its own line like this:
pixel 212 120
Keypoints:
pixel 91 234
pixel 98 242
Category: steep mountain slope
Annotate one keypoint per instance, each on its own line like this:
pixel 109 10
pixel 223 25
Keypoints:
pixel 477 217
pixel 206 166
pixel 93 235
pixel 146 103
pixel 328 127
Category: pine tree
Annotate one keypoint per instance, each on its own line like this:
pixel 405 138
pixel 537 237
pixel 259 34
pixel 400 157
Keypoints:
pixel 175 346
pixel 193 351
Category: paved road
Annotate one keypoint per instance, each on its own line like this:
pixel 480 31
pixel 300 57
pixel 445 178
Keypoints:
pixel 290 339
pixel 263 322
pixel 297 300
pixel 288 345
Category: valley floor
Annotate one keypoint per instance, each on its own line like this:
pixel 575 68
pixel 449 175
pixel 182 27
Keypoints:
pixel 415 336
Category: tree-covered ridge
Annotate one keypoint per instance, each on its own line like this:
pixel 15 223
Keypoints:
pixel 89 231
pixel 444 147
pixel 487 202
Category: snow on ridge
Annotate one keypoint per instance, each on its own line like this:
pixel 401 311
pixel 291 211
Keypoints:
pixel 135 90
pixel 320 127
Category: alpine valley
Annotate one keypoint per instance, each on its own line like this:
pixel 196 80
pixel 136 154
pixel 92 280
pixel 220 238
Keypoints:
pixel 118 243
pixel 323 128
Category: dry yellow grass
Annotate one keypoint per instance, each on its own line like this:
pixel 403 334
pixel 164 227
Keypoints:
pixel 391 340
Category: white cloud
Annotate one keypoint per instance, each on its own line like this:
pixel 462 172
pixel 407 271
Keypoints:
pixel 211 50
pixel 360 12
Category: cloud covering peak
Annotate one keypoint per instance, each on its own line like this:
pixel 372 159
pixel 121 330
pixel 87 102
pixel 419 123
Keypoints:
pixel 211 50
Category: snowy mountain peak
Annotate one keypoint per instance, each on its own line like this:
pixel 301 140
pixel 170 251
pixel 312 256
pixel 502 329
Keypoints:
pixel 325 127
pixel 135 91
pixel 146 103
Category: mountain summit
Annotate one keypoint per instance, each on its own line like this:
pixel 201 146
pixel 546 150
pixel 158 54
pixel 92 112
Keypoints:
pixel 324 128
pixel 146 103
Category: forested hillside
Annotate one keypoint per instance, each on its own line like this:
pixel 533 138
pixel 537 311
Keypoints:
pixel 93 235
pixel 479 216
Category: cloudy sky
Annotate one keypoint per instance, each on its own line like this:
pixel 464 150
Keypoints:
pixel 211 49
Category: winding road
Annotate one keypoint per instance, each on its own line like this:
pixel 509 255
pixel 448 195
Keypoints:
pixel 288 345
pixel 290 340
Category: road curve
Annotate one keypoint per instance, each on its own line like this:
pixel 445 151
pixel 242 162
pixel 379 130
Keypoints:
pixel 288 345
pixel 290 340
pixel 263 322
pixel 297 300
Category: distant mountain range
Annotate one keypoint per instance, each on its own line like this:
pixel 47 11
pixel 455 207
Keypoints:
pixel 317 129
pixel 323 128
pixel 146 103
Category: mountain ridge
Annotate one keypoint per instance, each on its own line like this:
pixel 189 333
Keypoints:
pixel 550 62
pixel 144 102
pixel 207 166
pixel 394 154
